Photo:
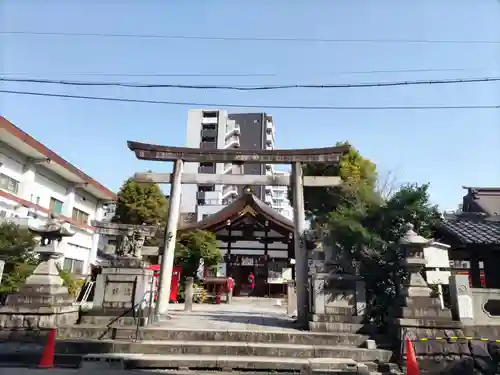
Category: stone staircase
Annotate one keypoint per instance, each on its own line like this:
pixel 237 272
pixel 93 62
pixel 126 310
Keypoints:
pixel 330 347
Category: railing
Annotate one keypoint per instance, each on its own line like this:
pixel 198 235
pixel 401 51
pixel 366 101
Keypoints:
pixel 138 311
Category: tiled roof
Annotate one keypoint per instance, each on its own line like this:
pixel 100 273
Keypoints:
pixel 235 208
pixel 473 229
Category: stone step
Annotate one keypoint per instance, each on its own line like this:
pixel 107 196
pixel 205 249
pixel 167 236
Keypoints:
pixel 427 312
pixel 340 310
pixel 184 362
pixel 175 334
pixel 329 318
pixel 223 348
pixel 352 328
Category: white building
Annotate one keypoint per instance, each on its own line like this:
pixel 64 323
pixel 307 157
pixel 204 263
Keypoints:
pixel 35 182
pixel 216 129
pixel 280 201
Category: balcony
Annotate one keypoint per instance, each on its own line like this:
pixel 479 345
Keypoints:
pixel 269 127
pixel 209 120
pixel 232 142
pixel 228 168
pixel 232 129
pixel 269 190
pixel 229 190
pixel 269 146
pixel 268 199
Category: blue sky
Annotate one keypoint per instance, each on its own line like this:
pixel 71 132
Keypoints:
pixel 448 148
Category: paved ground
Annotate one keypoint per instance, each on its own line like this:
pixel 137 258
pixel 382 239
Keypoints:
pixel 244 313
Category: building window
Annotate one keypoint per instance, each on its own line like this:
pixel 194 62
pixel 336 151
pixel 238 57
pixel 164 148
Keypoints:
pixel 55 206
pixel 73 265
pixel 205 188
pixel 80 216
pixel 206 165
pixel 208 139
pixel 8 183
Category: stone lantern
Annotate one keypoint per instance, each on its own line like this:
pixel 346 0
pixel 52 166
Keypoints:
pixel 413 263
pixel 43 301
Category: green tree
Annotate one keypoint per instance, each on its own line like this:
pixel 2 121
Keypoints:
pixel 369 234
pixel 195 245
pixel 140 203
pixel 16 247
pixel 359 177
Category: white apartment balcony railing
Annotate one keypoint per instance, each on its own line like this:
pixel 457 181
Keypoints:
pixel 232 142
pixel 229 190
pixel 268 199
pixel 269 167
pixel 209 120
pixel 269 147
pixel 269 190
pixel 212 202
pixel 228 168
pixel 233 130
pixel 269 126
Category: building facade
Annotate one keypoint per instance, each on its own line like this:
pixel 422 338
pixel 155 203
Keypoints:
pixel 35 182
pixel 280 201
pixel 216 129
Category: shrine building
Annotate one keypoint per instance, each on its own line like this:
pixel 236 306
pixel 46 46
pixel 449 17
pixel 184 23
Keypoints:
pixel 253 238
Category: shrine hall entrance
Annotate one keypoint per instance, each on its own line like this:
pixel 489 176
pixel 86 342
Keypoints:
pixel 253 238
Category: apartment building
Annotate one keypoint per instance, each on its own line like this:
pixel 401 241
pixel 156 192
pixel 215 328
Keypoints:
pixel 35 182
pixel 216 129
pixel 280 201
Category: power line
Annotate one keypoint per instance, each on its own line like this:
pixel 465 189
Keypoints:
pixel 247 39
pixel 109 74
pixel 219 105
pixel 250 88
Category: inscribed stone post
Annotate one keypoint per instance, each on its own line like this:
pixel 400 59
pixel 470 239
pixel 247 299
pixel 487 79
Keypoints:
pixel 124 286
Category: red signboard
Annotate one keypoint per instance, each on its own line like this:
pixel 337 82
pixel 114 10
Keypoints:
pixel 174 285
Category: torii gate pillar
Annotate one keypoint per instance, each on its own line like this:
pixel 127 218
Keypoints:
pixel 167 259
pixel 301 261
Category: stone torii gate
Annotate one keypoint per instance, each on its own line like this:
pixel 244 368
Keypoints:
pixel 179 155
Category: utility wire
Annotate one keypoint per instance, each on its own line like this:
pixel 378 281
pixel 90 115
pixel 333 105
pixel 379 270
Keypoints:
pixel 339 73
pixel 219 105
pixel 251 88
pixel 247 39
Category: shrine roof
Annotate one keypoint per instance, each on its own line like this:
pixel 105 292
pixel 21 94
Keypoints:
pixel 472 228
pixel 245 204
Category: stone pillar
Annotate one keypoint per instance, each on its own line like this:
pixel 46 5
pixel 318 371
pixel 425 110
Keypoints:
pixel 301 261
pixel 167 261
pixel 188 294
pixel 2 265
pixel 291 298
pixel 461 299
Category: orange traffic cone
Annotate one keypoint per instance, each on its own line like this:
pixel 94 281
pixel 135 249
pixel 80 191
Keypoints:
pixel 47 360
pixel 411 359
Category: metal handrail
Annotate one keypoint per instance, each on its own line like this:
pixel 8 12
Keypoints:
pixel 134 309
